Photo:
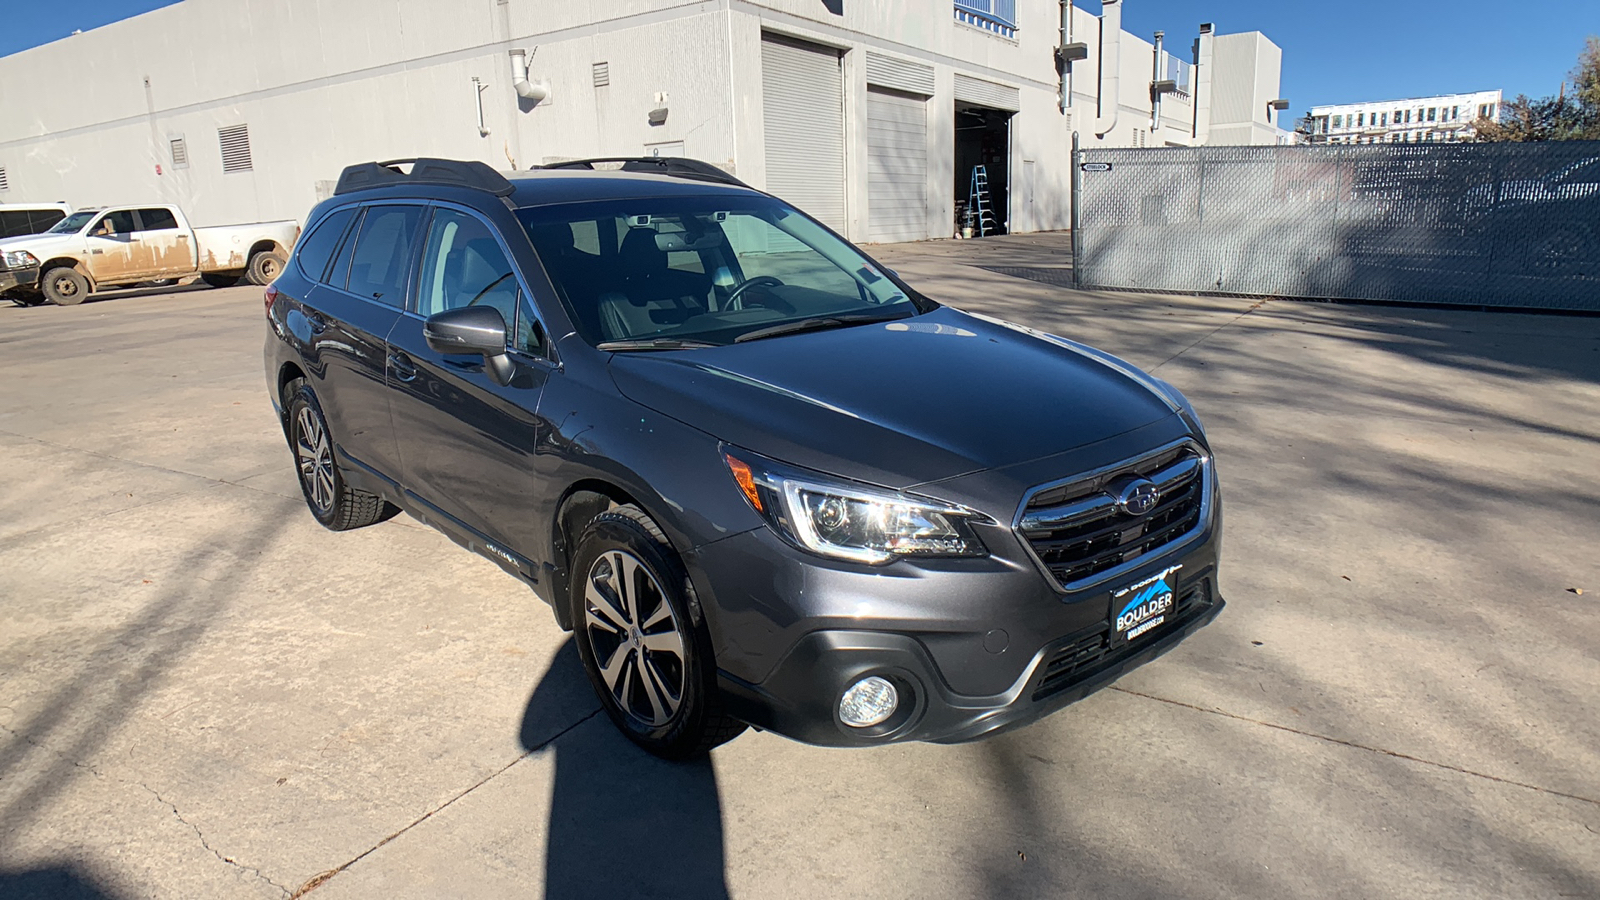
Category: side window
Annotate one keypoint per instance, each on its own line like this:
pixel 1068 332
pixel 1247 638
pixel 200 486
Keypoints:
pixel 15 223
pixel 383 253
pixel 313 252
pixel 463 265
pixel 114 223
pixel 46 219
pixel 156 219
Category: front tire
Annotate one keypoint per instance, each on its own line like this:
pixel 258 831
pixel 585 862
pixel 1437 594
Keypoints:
pixel 64 287
pixel 336 505
pixel 264 267
pixel 648 660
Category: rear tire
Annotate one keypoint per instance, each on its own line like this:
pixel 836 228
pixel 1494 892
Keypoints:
pixel 64 287
pixel 217 280
pixel 648 660
pixel 336 505
pixel 265 266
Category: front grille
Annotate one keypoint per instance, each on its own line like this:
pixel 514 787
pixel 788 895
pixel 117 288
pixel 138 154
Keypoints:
pixel 1077 530
pixel 1080 657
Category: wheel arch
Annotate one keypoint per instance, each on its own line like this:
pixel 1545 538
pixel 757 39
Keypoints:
pixel 287 373
pixel 579 504
pixel 265 245
pixel 66 262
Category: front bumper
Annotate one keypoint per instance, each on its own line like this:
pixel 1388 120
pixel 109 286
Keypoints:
pixel 976 647
pixel 26 278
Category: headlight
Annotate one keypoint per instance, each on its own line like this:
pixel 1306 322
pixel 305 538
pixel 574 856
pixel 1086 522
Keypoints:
pixel 845 520
pixel 20 259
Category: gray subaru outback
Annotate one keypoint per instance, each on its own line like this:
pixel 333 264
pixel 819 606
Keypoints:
pixel 761 478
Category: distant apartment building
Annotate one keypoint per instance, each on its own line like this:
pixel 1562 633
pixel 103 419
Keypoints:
pixel 1445 118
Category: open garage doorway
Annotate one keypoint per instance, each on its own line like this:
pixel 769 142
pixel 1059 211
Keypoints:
pixel 983 138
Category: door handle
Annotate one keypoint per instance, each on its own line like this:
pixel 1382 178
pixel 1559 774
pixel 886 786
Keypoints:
pixel 402 367
pixel 318 323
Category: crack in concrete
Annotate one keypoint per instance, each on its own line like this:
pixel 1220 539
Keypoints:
pixel 207 844
pixel 1211 334
pixel 1359 746
pixel 33 742
pixel 322 878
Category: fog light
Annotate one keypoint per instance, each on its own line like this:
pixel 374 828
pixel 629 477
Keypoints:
pixel 868 702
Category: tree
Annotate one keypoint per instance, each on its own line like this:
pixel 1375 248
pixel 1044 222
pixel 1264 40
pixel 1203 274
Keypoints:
pixel 1564 117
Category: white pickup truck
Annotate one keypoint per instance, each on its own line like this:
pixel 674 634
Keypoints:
pixel 99 248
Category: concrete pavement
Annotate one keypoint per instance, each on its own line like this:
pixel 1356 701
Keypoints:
pixel 205 694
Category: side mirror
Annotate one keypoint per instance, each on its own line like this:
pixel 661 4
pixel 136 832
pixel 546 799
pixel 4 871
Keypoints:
pixel 472 329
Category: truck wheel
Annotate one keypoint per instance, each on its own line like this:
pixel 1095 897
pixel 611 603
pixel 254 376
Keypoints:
pixel 64 286
pixel 264 267
pixel 216 279
pixel 650 663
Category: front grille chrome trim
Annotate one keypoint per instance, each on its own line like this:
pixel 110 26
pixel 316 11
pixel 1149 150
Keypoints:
pixel 1086 508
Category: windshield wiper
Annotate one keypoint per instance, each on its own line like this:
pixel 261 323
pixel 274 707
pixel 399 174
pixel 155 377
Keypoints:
pixel 652 344
pixel 819 323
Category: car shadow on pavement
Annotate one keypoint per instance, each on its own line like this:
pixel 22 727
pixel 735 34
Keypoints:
pixel 623 823
pixel 51 883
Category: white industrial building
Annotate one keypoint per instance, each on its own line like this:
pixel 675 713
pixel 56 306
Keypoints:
pixel 1444 118
pixel 869 115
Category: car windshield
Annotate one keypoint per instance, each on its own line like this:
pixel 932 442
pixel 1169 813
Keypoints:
pixel 681 272
pixel 72 223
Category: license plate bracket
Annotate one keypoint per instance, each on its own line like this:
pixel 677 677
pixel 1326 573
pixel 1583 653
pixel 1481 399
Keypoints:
pixel 1144 606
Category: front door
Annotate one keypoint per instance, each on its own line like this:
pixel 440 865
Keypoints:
pixel 111 249
pixel 466 443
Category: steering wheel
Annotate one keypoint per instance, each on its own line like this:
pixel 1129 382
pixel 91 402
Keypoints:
pixel 735 297
pixel 492 285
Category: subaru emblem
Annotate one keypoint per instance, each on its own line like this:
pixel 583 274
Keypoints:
pixel 1138 497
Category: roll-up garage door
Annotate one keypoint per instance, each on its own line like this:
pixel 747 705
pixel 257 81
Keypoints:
pixel 802 91
pixel 897 166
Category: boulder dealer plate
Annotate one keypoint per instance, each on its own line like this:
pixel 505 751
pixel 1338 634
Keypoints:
pixel 1143 606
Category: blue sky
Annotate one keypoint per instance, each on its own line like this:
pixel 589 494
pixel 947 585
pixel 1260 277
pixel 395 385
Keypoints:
pixel 1332 52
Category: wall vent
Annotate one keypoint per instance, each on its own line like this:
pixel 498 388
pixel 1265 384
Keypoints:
pixel 602 74
pixel 4 184
pixel 180 152
pixel 235 140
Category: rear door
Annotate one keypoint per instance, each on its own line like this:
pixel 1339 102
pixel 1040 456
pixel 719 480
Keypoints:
pixel 163 242
pixel 466 442
pixel 350 317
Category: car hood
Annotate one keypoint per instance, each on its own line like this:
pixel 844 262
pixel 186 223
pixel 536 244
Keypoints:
pixel 31 242
pixel 899 403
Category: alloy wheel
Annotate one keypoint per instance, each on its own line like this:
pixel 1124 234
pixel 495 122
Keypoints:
pixel 315 458
pixel 636 638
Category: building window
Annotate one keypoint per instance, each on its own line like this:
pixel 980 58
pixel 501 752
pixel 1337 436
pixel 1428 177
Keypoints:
pixel 1338 121
pixel 998 16
pixel 180 152
pixel 235 141
pixel 1384 119
pixel 1361 120
pixel 1433 114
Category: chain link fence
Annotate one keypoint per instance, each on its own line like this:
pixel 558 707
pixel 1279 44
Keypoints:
pixel 1515 225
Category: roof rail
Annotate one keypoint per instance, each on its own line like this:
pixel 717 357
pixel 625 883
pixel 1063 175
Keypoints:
pixel 678 166
pixel 452 172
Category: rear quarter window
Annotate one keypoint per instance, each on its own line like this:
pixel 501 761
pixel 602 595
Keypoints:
pixel 316 249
